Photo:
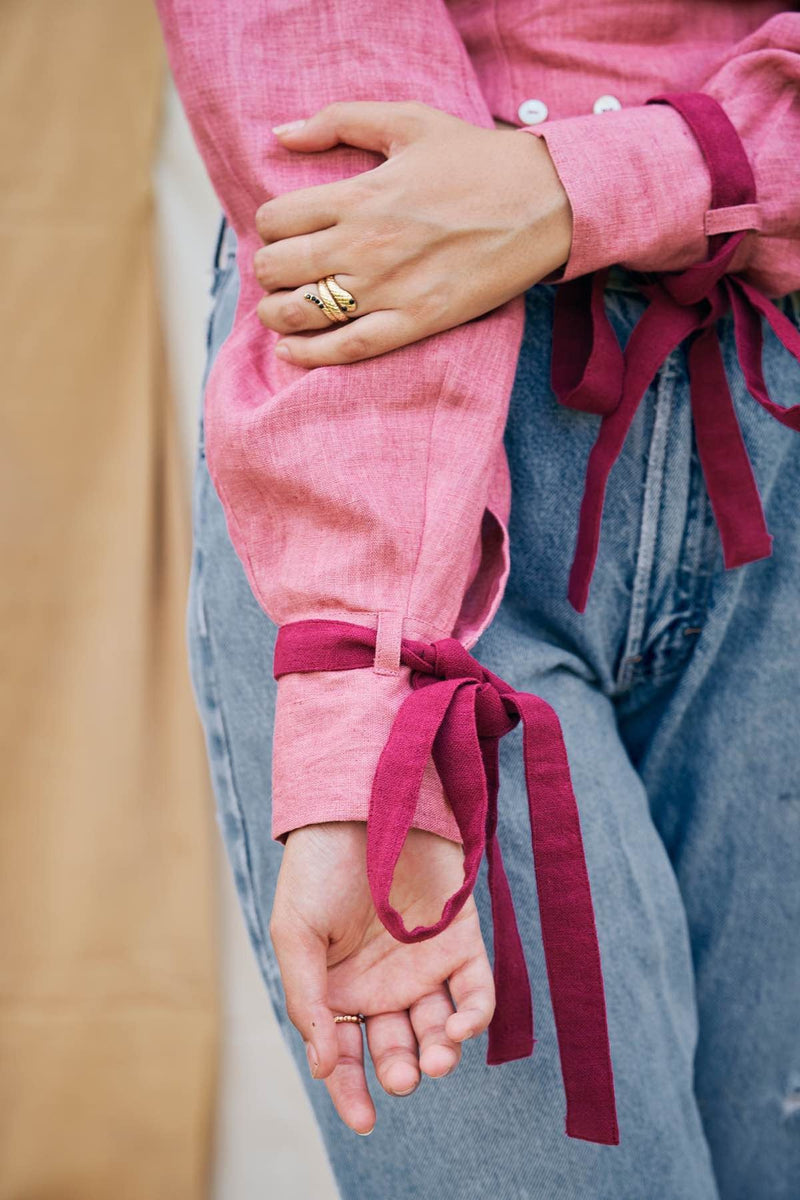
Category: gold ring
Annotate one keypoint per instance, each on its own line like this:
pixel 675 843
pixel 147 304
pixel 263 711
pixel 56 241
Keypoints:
pixel 335 301
pixel 346 300
pixel 359 1018
pixel 332 309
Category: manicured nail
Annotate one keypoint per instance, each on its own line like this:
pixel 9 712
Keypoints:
pixel 313 1060
pixel 289 127
pixel 283 351
pixel 406 1092
pixel 365 1134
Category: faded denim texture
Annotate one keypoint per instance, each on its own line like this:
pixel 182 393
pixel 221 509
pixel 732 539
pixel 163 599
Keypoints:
pixel 678 694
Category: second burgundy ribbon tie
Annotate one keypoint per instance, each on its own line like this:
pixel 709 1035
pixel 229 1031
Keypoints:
pixel 590 371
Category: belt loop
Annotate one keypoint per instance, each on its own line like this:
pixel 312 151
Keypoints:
pixel 387 642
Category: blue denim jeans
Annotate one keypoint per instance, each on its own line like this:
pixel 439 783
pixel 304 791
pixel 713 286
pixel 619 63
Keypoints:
pixel 678 694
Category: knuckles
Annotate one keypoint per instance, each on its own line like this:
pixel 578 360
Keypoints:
pixel 335 111
pixel 378 240
pixel 295 314
pixel 351 349
pixel 355 346
pixel 263 221
pixel 261 268
pixel 292 316
pixel 293 1011
pixel 278 931
pixel 430 307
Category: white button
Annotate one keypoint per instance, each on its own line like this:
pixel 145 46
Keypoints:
pixel 606 104
pixel 532 112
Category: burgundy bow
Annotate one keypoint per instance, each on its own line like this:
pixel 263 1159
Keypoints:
pixel 457 712
pixel 590 372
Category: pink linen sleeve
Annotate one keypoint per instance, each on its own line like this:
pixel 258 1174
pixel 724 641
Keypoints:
pixel 375 492
pixel 639 187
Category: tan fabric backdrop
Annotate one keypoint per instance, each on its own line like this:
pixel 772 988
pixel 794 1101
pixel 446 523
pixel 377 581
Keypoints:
pixel 108 1008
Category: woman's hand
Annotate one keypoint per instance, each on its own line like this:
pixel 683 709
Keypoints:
pixel 455 222
pixel 335 956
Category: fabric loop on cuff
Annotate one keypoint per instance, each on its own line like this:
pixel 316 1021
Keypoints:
pixel 387 644
pixel 456 713
pixel 586 374
pixel 732 219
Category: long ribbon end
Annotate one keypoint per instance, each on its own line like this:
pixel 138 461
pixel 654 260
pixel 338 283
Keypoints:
pixel 578 590
pixel 588 1128
pixel 735 555
pixel 511 1049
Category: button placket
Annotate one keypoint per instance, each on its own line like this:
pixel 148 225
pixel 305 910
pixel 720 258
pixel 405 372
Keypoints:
pixel 532 112
pixel 606 104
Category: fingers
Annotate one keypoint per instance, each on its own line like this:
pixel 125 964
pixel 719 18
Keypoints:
pixel 303 961
pixel 472 988
pixel 393 1046
pixel 362 337
pixel 383 126
pixel 439 1054
pixel 371 124
pixel 290 312
pixel 293 261
pixel 347 1084
pixel 393 1039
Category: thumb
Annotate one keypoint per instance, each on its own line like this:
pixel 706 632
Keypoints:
pixel 303 961
pixel 384 126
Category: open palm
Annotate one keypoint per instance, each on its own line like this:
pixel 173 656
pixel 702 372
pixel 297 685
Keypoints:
pixel 335 956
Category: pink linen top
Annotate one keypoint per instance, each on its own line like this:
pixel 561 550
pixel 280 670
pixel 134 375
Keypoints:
pixel 369 503
pixel 378 492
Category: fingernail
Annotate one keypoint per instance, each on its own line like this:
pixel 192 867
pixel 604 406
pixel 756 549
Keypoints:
pixel 288 127
pixel 283 351
pixel 365 1134
pixel 407 1091
pixel 313 1060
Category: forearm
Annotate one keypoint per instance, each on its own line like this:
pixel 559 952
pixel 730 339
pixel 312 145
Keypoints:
pixel 359 490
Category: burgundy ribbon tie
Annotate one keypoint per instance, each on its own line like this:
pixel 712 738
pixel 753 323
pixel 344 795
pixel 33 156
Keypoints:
pixel 590 372
pixel 457 712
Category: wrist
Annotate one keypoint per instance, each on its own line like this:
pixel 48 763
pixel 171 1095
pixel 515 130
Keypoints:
pixel 553 213
pixel 560 213
pixel 637 184
pixel 322 779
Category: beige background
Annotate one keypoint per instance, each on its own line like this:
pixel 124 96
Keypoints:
pixel 267 1144
pixel 108 972
pixel 122 1076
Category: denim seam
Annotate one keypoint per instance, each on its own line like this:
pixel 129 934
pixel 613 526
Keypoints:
pixel 221 762
pixel 223 229
pixel 672 651
pixel 648 532
pixel 226 777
